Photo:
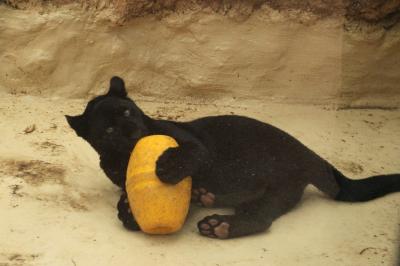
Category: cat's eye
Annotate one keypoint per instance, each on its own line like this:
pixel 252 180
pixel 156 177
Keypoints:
pixel 127 113
pixel 110 130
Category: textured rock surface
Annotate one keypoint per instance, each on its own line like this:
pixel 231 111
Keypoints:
pixel 370 10
pixel 272 55
pixel 373 10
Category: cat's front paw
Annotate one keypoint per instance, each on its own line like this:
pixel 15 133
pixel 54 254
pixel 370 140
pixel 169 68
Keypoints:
pixel 115 171
pixel 125 215
pixel 171 166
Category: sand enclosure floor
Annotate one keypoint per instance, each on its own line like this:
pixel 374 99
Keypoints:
pixel 58 208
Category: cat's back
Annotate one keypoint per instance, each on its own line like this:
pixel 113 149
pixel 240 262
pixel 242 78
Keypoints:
pixel 234 132
pixel 235 126
pixel 242 143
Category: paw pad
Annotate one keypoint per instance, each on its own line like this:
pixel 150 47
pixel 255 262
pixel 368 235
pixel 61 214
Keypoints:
pixel 214 226
pixel 202 197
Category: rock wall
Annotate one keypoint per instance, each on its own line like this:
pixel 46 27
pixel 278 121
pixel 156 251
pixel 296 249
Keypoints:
pixel 369 10
pixel 237 9
pixel 271 54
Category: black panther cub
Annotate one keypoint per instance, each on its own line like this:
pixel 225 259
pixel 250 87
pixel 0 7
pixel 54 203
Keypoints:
pixel 234 161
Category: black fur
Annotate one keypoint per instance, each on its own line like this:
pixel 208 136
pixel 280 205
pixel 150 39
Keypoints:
pixel 234 161
pixel 365 189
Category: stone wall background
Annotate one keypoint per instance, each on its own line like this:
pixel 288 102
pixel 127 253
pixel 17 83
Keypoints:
pixel 369 10
pixel 310 53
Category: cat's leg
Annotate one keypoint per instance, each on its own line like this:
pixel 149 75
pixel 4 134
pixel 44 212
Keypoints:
pixel 202 197
pixel 177 163
pixel 251 217
pixel 115 168
pixel 125 214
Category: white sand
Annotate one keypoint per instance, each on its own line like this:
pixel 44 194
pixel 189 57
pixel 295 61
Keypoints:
pixel 58 208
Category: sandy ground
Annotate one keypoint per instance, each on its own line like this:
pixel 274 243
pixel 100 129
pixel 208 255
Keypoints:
pixel 58 208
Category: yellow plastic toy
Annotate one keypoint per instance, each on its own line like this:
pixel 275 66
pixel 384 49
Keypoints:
pixel 158 208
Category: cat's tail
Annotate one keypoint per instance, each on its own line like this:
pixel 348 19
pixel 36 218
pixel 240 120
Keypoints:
pixel 351 190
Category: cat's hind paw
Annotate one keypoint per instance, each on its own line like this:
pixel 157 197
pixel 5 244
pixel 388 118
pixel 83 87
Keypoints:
pixel 214 226
pixel 202 197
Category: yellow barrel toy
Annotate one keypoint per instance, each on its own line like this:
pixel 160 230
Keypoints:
pixel 158 208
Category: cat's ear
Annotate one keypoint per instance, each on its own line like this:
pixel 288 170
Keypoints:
pixel 117 87
pixel 79 124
